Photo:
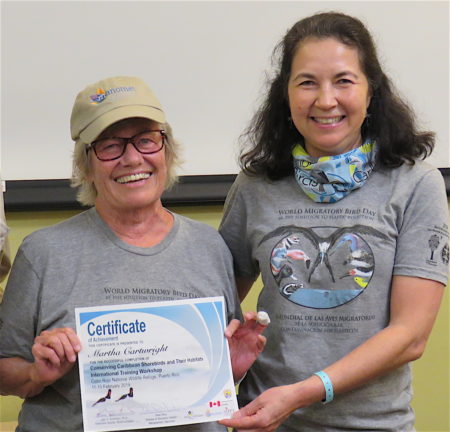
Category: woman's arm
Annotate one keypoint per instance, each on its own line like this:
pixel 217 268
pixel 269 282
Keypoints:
pixel 55 352
pixel 15 378
pixel 414 306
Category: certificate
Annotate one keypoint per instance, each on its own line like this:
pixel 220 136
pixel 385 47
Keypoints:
pixel 154 364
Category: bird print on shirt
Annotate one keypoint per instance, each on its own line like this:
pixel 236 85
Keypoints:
pixel 352 259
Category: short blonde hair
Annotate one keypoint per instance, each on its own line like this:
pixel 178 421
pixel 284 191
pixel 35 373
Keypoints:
pixel 81 169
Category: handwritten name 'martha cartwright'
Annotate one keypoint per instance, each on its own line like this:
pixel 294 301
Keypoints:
pixel 116 327
pixel 129 350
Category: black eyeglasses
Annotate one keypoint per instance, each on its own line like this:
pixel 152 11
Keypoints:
pixel 147 142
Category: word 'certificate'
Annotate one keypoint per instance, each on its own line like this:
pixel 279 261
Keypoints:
pixel 154 364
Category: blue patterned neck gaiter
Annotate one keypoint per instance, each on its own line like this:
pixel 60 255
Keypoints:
pixel 330 178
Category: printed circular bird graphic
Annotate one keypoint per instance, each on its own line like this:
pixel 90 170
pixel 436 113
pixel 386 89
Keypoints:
pixel 322 267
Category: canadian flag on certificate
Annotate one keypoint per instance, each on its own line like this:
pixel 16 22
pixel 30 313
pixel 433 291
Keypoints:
pixel 213 404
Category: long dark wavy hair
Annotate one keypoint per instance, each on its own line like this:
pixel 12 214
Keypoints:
pixel 271 135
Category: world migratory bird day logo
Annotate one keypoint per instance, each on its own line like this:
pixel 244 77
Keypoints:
pixel 322 267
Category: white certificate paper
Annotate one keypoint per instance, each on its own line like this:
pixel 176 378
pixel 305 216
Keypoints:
pixel 154 364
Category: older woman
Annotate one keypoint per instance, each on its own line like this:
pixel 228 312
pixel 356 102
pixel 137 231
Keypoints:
pixel 126 249
pixel 349 230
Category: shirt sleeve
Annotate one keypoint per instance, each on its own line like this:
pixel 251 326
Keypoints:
pixel 234 230
pixel 19 310
pixel 422 244
pixel 5 263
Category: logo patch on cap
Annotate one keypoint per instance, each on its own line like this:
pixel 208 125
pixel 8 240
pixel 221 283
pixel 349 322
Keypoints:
pixel 101 94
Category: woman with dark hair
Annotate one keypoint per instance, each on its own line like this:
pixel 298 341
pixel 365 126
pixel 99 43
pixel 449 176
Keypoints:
pixel 348 228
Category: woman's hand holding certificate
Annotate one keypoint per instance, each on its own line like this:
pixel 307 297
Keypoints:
pixel 246 343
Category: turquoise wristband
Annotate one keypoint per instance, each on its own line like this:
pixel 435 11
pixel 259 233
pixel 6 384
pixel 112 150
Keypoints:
pixel 329 394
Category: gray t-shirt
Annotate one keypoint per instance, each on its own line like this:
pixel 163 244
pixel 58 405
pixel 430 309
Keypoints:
pixel 80 262
pixel 326 271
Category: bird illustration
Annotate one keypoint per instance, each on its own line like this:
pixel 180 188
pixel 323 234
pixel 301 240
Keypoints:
pixel 104 399
pixel 356 252
pixel 299 255
pixel 283 253
pixel 362 282
pixel 126 395
pixel 323 244
pixel 284 272
pixel 361 260
pixel 359 263
pixel 357 272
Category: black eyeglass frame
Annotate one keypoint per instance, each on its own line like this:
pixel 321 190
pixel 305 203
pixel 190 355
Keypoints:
pixel 127 141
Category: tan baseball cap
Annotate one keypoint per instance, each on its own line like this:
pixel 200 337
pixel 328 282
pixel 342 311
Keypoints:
pixel 107 101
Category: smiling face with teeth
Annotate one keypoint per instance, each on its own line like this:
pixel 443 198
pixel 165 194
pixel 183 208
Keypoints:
pixel 328 96
pixel 133 182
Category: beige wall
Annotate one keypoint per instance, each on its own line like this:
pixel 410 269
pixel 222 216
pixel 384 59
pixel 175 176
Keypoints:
pixel 431 372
